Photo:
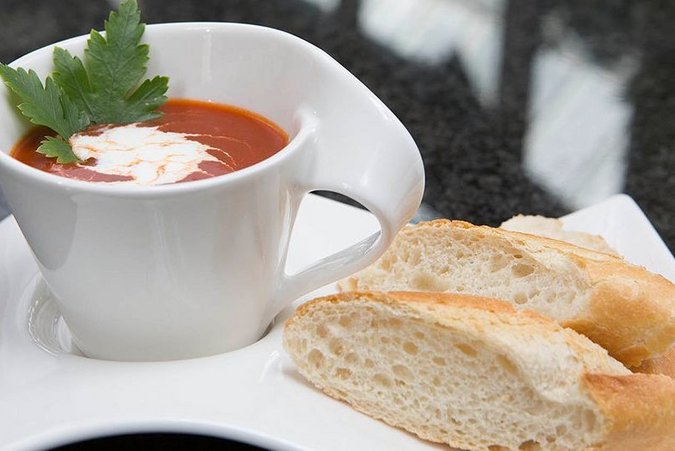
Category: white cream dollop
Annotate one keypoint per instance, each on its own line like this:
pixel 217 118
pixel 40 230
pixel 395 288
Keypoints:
pixel 147 154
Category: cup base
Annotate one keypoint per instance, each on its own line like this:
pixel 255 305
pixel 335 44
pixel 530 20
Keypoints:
pixel 49 331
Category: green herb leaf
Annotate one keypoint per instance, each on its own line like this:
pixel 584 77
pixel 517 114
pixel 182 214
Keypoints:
pixel 57 148
pixel 144 102
pixel 44 105
pixel 104 89
pixel 116 64
pixel 71 76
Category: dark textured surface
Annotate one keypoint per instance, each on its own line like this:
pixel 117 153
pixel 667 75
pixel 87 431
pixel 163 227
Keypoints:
pixel 651 174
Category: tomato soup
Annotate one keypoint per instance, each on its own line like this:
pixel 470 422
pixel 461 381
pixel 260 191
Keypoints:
pixel 193 140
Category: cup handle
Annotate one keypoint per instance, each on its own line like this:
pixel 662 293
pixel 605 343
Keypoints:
pixel 388 180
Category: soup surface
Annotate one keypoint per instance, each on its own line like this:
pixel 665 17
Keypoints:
pixel 193 140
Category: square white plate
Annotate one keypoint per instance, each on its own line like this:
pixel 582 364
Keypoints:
pixel 254 394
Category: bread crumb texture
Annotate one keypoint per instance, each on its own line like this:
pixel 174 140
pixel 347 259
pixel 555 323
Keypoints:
pixel 622 307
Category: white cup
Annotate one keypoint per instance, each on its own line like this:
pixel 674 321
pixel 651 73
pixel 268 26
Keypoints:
pixel 194 269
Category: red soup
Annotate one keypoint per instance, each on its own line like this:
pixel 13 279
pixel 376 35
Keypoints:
pixel 193 140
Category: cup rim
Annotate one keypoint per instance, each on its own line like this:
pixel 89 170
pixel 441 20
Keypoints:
pixel 36 176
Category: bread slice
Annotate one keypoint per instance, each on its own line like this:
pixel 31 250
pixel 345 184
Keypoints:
pixel 553 228
pixel 624 308
pixel 474 373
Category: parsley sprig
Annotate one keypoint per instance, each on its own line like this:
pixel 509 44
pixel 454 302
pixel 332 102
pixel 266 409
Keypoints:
pixel 105 88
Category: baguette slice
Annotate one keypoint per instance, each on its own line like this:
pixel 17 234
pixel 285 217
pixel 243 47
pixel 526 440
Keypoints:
pixel 474 373
pixel 622 307
pixel 553 228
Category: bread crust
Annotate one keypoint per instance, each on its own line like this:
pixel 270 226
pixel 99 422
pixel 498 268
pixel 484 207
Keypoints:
pixel 630 311
pixel 664 364
pixel 416 298
pixel 639 410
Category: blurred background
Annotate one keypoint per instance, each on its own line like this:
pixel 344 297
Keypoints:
pixel 518 106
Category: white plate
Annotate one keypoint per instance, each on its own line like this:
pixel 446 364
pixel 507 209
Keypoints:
pixel 254 394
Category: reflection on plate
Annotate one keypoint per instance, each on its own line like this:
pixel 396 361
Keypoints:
pixel 253 395
pixel 45 324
